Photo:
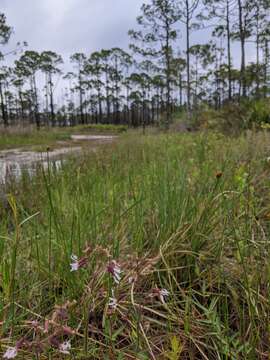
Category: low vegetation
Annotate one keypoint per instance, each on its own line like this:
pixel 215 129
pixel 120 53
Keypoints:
pixel 28 137
pixel 167 237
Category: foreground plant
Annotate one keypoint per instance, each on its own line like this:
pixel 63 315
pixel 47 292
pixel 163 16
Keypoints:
pixel 171 260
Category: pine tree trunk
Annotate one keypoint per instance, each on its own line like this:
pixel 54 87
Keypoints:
pixel 180 90
pixel 257 52
pixel 229 49
pixel 188 56
pixel 168 75
pixel 36 105
pixel 266 65
pixel 51 100
pixel 3 108
pixel 81 98
pixel 243 50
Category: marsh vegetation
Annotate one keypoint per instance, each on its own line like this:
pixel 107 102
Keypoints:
pixel 168 239
pixel 135 223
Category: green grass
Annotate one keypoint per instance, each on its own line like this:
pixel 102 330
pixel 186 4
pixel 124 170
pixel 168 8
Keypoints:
pixel 101 128
pixel 15 138
pixel 30 137
pixel 186 213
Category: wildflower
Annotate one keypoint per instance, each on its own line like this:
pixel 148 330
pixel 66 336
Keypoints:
pixel 54 341
pixel 77 263
pixel 11 353
pixel 20 343
pixel 65 347
pixel 162 294
pixel 131 280
pixel 114 269
pixel 112 302
pixel 219 175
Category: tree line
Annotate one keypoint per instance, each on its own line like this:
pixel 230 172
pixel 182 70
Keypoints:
pixel 164 70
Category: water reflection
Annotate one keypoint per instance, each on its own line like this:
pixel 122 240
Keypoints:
pixel 15 170
pixel 14 163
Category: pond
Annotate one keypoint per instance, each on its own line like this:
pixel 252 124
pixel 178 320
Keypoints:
pixel 14 162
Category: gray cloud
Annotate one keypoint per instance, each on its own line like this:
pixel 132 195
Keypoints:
pixel 68 26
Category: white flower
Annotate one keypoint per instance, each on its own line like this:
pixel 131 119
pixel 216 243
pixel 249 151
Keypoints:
pixel 112 303
pixel 65 347
pixel 11 353
pixel 114 269
pixel 160 293
pixel 163 294
pixel 78 263
pixel 75 263
pixel 117 273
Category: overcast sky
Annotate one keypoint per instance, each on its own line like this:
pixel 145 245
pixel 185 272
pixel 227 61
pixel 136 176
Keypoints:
pixel 69 26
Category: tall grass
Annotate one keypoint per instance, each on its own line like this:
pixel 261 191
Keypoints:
pixel 185 213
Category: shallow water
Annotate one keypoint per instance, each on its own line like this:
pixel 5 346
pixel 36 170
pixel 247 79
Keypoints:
pixel 16 161
pixel 93 137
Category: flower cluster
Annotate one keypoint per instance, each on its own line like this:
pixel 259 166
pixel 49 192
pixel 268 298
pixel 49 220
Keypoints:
pixel 78 263
pixel 114 269
pixel 54 332
pixel 12 352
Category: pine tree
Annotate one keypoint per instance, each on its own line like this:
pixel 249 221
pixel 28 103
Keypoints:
pixel 158 23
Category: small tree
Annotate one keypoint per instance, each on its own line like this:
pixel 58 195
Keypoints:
pixel 242 32
pixel 49 62
pixel 187 10
pixel 158 33
pixel 221 11
pixel 27 66
pixel 79 60
pixel 5 32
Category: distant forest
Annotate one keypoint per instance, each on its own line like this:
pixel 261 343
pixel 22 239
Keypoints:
pixel 154 79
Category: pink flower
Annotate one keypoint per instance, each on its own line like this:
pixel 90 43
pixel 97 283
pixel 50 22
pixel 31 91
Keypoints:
pixel 11 353
pixel 65 347
pixel 77 263
pixel 54 341
pixel 114 269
